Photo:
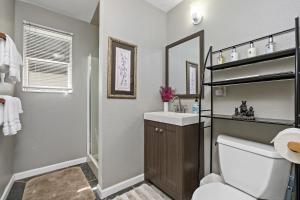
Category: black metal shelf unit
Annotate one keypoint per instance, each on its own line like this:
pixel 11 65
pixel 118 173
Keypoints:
pixel 283 122
pixel 257 59
pixel 253 79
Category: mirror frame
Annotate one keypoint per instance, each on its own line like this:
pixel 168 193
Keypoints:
pixel 199 34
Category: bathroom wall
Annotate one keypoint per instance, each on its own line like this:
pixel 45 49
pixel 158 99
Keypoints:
pixel 121 120
pixel 228 25
pixel 7 14
pixel 54 125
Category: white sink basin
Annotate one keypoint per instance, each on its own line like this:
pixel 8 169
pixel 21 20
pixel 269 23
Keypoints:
pixel 179 119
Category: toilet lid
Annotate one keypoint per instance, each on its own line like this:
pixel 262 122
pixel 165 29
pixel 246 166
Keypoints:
pixel 219 191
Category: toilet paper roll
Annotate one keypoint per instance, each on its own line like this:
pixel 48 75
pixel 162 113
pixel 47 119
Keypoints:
pixel 281 144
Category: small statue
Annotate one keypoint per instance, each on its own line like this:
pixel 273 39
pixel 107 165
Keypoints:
pixel 236 112
pixel 243 108
pixel 250 112
pixel 244 113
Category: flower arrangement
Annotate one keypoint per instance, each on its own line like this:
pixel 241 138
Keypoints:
pixel 166 93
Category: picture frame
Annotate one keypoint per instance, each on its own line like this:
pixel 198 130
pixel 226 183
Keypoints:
pixel 122 69
pixel 192 77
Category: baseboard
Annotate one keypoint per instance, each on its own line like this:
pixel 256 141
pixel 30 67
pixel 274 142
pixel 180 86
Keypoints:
pixel 120 186
pixel 8 188
pixel 50 168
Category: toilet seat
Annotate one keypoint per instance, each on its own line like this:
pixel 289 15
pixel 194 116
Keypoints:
pixel 220 191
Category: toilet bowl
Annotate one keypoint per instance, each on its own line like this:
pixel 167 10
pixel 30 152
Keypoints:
pixel 220 191
pixel 250 171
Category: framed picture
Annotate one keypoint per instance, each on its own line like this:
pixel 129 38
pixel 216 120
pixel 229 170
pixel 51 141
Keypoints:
pixel 121 69
pixel 191 78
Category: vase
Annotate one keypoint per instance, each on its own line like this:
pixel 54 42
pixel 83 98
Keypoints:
pixel 166 106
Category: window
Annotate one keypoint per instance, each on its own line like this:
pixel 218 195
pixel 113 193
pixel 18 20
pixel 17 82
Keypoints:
pixel 47 59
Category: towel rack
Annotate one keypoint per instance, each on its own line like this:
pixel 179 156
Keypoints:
pixel 2 36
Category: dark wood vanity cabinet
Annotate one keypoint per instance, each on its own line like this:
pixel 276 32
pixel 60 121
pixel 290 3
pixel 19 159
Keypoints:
pixel 171 158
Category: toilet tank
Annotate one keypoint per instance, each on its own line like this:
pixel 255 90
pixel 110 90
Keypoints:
pixel 254 168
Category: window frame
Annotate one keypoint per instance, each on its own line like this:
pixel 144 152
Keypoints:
pixel 26 87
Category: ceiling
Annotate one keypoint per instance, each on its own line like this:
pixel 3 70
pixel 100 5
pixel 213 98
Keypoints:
pixel 85 9
pixel 165 5
pixel 79 9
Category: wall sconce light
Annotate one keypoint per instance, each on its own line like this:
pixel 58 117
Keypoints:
pixel 196 15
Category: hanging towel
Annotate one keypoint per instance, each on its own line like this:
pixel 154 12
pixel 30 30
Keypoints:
pixel 11 111
pixel 3 52
pixel 9 56
pixel 1 114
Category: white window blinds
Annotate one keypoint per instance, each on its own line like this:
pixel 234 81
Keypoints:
pixel 47 59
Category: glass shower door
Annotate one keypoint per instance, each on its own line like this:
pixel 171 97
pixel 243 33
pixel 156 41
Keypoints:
pixel 93 108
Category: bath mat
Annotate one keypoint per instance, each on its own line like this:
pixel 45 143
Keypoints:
pixel 68 184
pixel 143 192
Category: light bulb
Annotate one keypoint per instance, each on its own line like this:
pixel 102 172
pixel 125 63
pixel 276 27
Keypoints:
pixel 196 15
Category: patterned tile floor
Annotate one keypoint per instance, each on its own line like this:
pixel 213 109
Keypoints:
pixel 17 190
pixel 163 195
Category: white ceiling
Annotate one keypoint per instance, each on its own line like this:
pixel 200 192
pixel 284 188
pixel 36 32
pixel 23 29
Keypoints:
pixel 80 9
pixel 84 9
pixel 165 5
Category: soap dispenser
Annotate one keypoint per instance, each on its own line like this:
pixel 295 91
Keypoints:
pixel 220 59
pixel 251 50
pixel 234 54
pixel 6 88
pixel 195 106
pixel 271 46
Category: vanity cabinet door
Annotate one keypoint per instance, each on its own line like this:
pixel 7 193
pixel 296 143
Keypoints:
pixel 172 160
pixel 153 155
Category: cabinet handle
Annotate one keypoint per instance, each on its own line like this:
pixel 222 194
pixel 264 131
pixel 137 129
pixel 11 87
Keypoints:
pixel 156 129
pixel 161 130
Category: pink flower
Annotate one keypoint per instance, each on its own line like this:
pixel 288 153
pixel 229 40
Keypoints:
pixel 166 93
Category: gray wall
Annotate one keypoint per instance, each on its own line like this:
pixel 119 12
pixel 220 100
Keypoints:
pixel 54 125
pixel 7 14
pixel 121 121
pixel 226 25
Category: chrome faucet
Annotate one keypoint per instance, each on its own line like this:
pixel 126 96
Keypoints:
pixel 179 108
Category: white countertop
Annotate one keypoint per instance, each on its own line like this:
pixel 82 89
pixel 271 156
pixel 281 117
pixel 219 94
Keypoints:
pixel 179 119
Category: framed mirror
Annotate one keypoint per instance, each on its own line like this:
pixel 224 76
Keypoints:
pixel 184 65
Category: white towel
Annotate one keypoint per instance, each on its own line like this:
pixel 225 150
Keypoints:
pixel 1 114
pixel 11 120
pixel 9 56
pixel 3 52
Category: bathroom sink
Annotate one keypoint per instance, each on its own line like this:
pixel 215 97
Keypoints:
pixel 179 119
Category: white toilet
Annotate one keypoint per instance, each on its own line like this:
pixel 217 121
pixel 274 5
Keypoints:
pixel 250 170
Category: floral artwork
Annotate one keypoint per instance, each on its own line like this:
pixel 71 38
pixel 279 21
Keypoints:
pixel 122 82
pixel 121 69
pixel 193 81
pixel 191 78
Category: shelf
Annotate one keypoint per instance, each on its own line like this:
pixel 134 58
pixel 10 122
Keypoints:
pixel 257 120
pixel 254 79
pixel 256 59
